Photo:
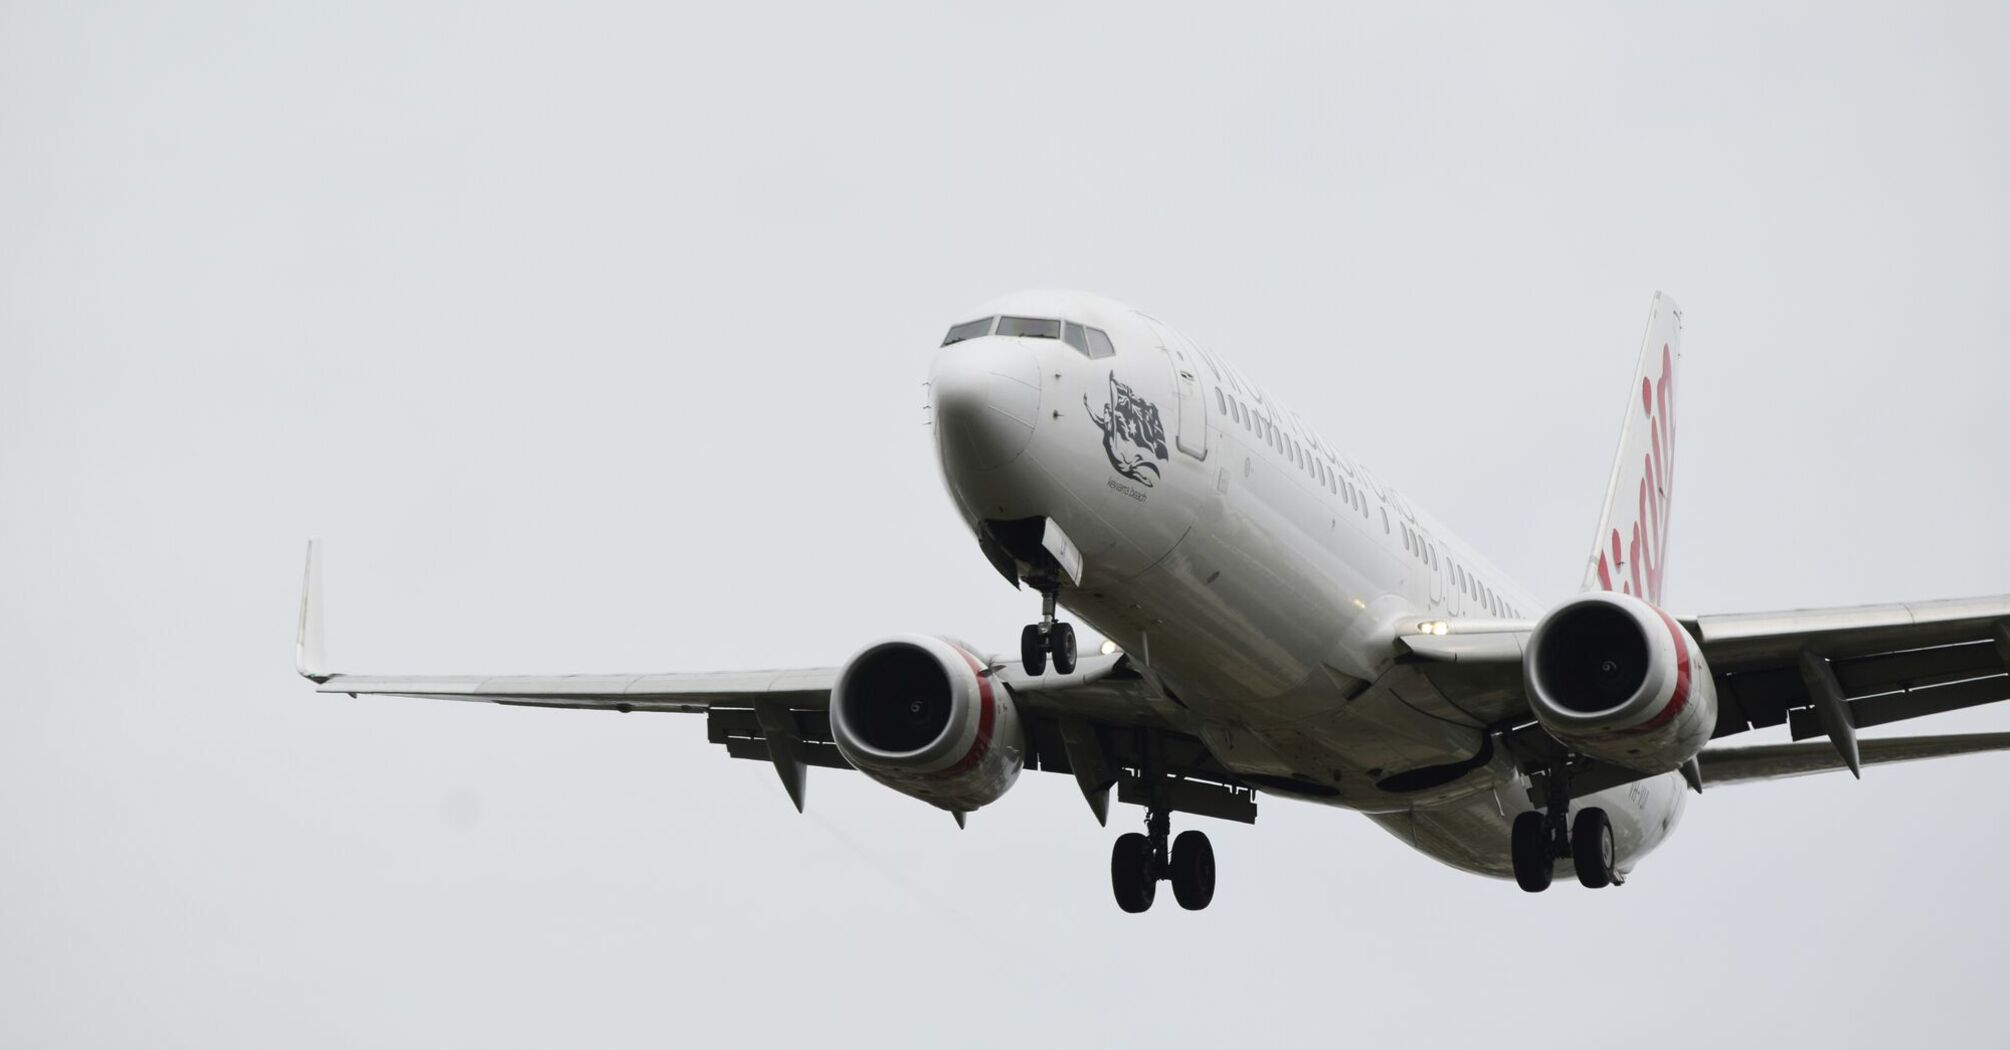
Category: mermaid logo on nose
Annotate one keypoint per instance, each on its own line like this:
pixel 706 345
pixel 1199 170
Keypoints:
pixel 1132 433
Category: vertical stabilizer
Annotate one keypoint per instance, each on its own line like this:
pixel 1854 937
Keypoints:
pixel 1631 549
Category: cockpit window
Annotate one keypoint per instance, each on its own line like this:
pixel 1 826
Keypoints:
pixel 1071 333
pixel 968 330
pixel 1037 327
pixel 1099 344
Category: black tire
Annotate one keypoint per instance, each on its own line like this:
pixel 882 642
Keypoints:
pixel 1533 865
pixel 1033 650
pixel 1193 870
pixel 1131 875
pixel 1591 848
pixel 1061 643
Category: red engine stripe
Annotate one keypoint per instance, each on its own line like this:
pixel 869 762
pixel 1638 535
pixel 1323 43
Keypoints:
pixel 1680 698
pixel 986 716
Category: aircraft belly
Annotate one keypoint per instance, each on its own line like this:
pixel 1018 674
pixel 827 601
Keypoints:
pixel 1471 834
pixel 1273 655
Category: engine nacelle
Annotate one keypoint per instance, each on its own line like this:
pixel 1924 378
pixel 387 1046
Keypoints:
pixel 1613 677
pixel 915 714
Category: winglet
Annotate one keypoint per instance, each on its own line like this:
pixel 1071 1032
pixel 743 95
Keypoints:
pixel 307 647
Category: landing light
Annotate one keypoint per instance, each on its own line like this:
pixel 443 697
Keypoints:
pixel 1433 627
pixel 1109 647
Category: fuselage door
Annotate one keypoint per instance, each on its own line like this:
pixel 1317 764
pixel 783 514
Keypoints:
pixel 1192 438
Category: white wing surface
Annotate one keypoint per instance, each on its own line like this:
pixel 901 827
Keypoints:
pixel 782 716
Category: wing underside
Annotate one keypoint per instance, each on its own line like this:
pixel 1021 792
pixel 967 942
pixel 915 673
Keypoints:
pixel 1104 723
pixel 1819 672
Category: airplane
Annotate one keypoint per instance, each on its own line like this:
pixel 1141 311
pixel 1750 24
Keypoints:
pixel 1280 620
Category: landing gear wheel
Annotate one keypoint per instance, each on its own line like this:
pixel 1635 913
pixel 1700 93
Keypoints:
pixel 1033 650
pixel 1533 863
pixel 1591 848
pixel 1131 874
pixel 1061 643
pixel 1193 870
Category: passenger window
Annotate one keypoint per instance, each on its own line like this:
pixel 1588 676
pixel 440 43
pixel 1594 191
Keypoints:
pixel 1385 519
pixel 1220 402
pixel 1072 334
pixel 1036 327
pixel 968 330
pixel 1099 344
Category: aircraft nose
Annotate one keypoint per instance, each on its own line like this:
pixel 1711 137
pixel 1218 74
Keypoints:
pixel 986 396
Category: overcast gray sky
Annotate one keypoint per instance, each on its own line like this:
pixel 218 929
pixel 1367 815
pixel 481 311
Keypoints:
pixel 592 337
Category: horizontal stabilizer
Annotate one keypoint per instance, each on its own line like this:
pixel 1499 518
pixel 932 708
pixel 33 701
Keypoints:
pixel 1733 765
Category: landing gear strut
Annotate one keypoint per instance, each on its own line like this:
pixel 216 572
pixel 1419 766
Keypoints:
pixel 1048 637
pixel 1138 862
pixel 1539 840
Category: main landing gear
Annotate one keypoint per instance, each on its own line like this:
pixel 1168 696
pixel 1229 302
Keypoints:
pixel 1047 638
pixel 1539 840
pixel 1138 862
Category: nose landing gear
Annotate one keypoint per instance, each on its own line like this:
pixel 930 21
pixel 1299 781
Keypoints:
pixel 1047 638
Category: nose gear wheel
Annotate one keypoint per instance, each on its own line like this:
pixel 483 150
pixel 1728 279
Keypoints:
pixel 1049 637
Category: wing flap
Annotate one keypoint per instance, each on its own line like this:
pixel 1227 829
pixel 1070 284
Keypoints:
pixel 1776 761
pixel 1912 703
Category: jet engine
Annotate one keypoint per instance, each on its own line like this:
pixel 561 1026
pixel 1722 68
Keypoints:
pixel 924 716
pixel 1614 678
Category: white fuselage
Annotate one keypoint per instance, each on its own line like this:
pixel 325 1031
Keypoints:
pixel 1256 570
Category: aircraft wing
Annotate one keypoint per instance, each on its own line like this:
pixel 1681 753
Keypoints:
pixel 1733 765
pixel 1891 662
pixel 1097 714
pixel 688 693
pixel 1820 672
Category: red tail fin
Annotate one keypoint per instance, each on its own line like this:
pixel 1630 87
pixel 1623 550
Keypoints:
pixel 1631 549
